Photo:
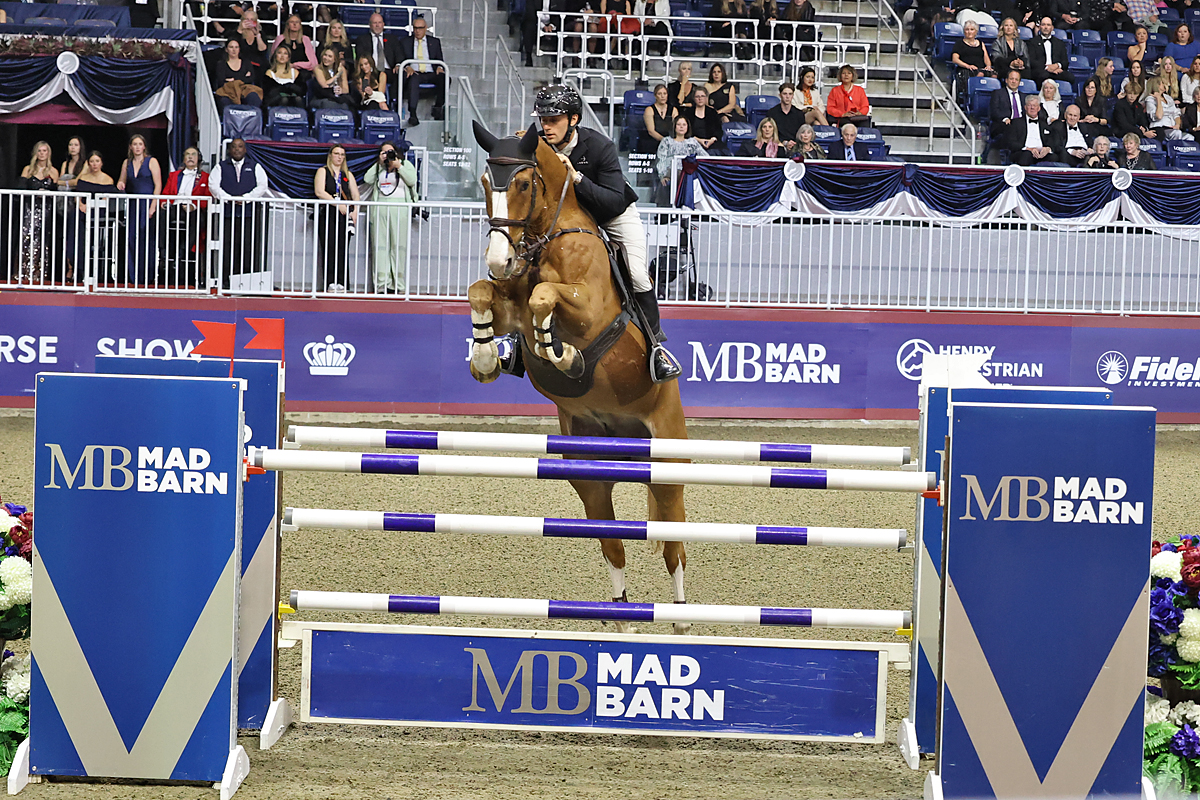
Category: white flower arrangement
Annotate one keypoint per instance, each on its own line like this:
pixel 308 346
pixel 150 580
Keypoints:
pixel 1167 565
pixel 1188 649
pixel 1185 712
pixel 1170 638
pixel 1157 709
pixel 16 575
pixel 15 676
pixel 7 521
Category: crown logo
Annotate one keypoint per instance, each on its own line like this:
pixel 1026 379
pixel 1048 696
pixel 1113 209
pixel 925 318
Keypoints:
pixel 329 358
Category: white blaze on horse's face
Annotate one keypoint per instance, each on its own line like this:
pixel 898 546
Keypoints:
pixel 500 252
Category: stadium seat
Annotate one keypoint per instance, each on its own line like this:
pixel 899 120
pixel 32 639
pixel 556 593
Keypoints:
pixel 1025 32
pixel 1067 92
pixel 1089 44
pixel 1156 46
pixel 988 34
pixel 1188 164
pixel 1080 68
pixel 44 21
pixel 396 17
pixel 1179 149
pixel 635 103
pixel 1120 72
pixel 1157 154
pixel 692 32
pixel 734 133
pixel 945 36
pixel 757 106
pixel 334 125
pixel 1029 87
pixel 94 23
pixel 355 15
pixel 287 123
pixel 1192 17
pixel 826 134
pixel 1119 42
pixel 1061 34
pixel 241 122
pixel 873 139
pixel 979 95
pixel 1169 16
pixel 381 126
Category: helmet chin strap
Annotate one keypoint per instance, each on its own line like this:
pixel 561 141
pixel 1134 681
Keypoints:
pixel 571 126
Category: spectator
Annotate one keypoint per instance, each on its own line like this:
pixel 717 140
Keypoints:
pixel 1006 104
pixel 971 57
pixel 681 143
pixel 657 118
pixel 334 181
pixel 379 45
pixel 76 162
pixel 1093 110
pixel 335 37
pixel 1190 124
pixel 848 103
pixel 1075 143
pixel 1103 77
pixel 706 125
pixel 622 25
pixel 1169 76
pixel 1130 117
pixel 423 49
pixel 92 181
pixel 1032 140
pixel 37 218
pixel 654 31
pixel 1047 53
pixel 284 84
pixel 722 96
pixel 249 36
pixel 786 116
pixel 849 148
pixel 806 143
pixel 1051 100
pixel 237 179
pixel 140 175
pixel 236 79
pixel 802 13
pixel 925 14
pixel 766 144
pixel 1137 50
pixel 1183 47
pixel 1101 157
pixel 1068 14
pixel 731 13
pixel 1135 79
pixel 330 86
pixel 1010 51
pixel 1133 157
pixel 1107 15
pixel 391 180
pixel 1144 13
pixel 767 14
pixel 370 86
pixel 1190 80
pixel 809 100
pixel 304 56
pixel 680 90
pixel 185 230
pixel 1165 119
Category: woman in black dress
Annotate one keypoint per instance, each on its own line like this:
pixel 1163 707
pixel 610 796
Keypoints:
pixel 657 119
pixel 706 124
pixel 722 95
pixel 1093 111
pixel 334 181
pixel 236 79
pixel 37 217
pixel 971 58
pixel 92 181
pixel 680 90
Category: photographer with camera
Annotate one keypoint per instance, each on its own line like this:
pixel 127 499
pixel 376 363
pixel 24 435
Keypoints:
pixel 392 180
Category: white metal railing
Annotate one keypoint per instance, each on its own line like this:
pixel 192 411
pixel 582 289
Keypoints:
pixel 306 248
pixel 507 78
pixel 207 15
pixel 582 79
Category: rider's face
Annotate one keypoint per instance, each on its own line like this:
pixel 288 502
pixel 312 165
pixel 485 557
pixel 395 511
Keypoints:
pixel 555 128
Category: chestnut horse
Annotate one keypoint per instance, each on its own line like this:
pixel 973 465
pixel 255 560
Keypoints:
pixel 552 284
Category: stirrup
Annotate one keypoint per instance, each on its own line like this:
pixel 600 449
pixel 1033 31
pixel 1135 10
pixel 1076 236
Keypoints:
pixel 511 362
pixel 663 365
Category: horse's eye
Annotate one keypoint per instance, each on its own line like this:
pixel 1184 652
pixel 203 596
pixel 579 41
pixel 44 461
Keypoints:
pixel 524 186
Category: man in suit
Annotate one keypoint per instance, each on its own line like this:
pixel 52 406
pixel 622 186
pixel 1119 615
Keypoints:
pixel 379 45
pixel 849 148
pixel 1047 54
pixel 1075 144
pixel 424 49
pixel 238 178
pixel 1031 139
pixel 1005 106
pixel 1069 14
pixel 183 236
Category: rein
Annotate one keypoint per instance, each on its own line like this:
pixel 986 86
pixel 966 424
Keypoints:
pixel 530 246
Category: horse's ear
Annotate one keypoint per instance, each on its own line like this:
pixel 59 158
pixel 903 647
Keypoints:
pixel 529 141
pixel 485 139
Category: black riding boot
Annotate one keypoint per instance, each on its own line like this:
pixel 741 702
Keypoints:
pixel 663 365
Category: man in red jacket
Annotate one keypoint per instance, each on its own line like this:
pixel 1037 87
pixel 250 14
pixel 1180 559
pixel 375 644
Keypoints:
pixel 185 225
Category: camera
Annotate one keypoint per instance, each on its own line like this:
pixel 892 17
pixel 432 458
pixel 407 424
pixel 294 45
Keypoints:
pixel 391 157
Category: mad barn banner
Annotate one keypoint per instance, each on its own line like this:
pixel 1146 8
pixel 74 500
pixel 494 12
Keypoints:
pixel 753 363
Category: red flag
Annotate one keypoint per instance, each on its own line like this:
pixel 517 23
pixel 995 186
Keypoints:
pixel 268 334
pixel 219 340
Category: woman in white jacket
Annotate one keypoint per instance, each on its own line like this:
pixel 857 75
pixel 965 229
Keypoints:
pixel 654 30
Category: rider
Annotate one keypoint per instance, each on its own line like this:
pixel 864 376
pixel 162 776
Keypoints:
pixel 601 189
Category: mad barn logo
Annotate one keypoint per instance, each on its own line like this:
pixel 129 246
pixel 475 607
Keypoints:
pixel 1114 368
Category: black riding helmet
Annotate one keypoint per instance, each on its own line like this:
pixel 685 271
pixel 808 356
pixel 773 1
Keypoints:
pixel 555 99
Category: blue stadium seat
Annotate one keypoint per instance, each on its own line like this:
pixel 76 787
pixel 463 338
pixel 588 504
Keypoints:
pixel 988 34
pixel 1067 92
pixel 241 122
pixel 1169 16
pixel 1120 72
pixel 396 17
pixel 1080 68
pixel 1192 17
pixel 1157 154
pixel 1025 32
pixel 381 126
pixel 825 134
pixel 734 133
pixel 635 103
pixel 693 32
pixel 355 15
pixel 334 125
pixel 287 123
pixel 873 139
pixel 1029 87
pixel 1188 164
pixel 1156 46
pixel 1061 34
pixel 979 95
pixel 1089 44
pixel 1181 148
pixel 757 106
pixel 1119 42
pixel 945 36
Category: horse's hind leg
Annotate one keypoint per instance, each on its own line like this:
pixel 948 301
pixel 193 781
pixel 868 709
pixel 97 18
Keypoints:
pixel 666 503
pixel 597 504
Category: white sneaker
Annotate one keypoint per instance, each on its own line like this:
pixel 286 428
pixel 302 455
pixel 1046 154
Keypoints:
pixel 337 288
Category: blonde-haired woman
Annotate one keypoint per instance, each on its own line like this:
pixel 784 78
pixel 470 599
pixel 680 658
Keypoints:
pixel 334 181
pixel 681 90
pixel 1104 73
pixel 335 37
pixel 249 35
pixel 1165 119
pixel 304 55
pixel 765 144
pixel 1051 100
pixel 37 237
pixel 1169 74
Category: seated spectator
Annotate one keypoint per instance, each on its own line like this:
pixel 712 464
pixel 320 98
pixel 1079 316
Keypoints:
pixel 706 125
pixel 1101 157
pixel 806 143
pixel 1144 14
pixel 766 144
pixel 383 49
pixel 654 30
pixel 730 12
pixel 971 57
pixel 335 37
pixel 1069 14
pixel 1190 80
pixel 925 13
pixel 370 86
pixel 1165 119
pixel 722 95
pixel 249 35
pixel 1093 110
pixel 330 86
pixel 849 148
pixel 1169 75
pixel 1189 123
pixel 1075 142
pixel 1136 79
pixel 1137 50
pixel 423 49
pixel 1047 54
pixel 621 23
pixel 787 117
pixel 680 90
pixel 809 99
pixel 1006 105
pixel 847 103
pixel 1010 51
pixel 681 143
pixel 1130 117
pixel 285 86
pixel 235 79
pixel 1031 139
pixel 1103 77
pixel 1183 47
pixel 304 56
pixel 1051 100
pixel 767 14
pixel 657 118
pixel 801 11
pixel 1133 157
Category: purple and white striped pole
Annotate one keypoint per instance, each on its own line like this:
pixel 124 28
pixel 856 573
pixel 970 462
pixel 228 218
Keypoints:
pixel 540 444
pixel 593 528
pixel 659 472
pixel 583 610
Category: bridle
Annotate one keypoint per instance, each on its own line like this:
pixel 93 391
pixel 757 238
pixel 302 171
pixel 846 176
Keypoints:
pixel 529 248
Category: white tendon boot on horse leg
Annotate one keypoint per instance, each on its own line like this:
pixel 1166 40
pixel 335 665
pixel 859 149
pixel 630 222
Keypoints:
pixel 618 593
pixel 677 584
pixel 676 559
pixel 485 355
pixel 565 360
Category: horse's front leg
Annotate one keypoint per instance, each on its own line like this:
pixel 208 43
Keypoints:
pixel 559 307
pixel 490 316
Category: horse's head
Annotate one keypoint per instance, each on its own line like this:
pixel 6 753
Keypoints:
pixel 521 173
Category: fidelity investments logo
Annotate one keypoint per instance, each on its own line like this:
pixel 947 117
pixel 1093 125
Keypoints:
pixel 1114 368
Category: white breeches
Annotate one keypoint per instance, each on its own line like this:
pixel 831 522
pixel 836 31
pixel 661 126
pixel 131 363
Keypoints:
pixel 626 231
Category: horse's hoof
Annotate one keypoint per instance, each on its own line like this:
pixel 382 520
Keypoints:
pixel 683 628
pixel 575 370
pixel 484 378
pixel 624 627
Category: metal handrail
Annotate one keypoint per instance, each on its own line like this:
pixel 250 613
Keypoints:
pixel 401 78
pixel 608 98
pixel 514 98
pixel 313 26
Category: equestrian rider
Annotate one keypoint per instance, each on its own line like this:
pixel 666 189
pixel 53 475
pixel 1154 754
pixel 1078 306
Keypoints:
pixel 601 189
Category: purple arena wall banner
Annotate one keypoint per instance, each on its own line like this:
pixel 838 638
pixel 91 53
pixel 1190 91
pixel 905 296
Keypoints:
pixel 380 356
